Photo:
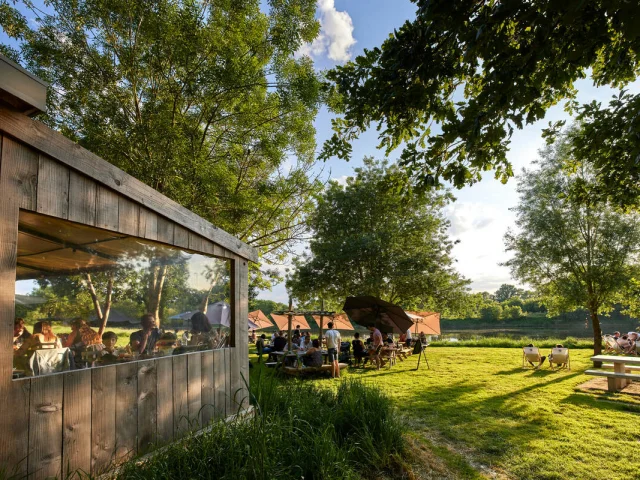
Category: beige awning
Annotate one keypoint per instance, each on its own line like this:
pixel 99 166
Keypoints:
pixel 340 322
pixel 425 322
pixel 282 321
pixel 260 320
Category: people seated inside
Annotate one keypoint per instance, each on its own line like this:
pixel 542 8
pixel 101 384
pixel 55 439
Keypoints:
pixel 313 356
pixel 109 340
pixel 551 361
pixel 202 333
pixel 359 352
pixel 542 359
pixel 144 341
pixel 42 337
pixel 20 333
pixel 82 336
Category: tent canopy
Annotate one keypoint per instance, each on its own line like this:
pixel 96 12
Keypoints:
pixel 340 322
pixel 282 321
pixel 260 320
pixel 425 322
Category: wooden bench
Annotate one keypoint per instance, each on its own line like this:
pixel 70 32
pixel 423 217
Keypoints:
pixel 310 370
pixel 614 378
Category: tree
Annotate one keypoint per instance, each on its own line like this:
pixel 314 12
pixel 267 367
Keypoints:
pixel 505 292
pixel 576 254
pixel 203 101
pixel 455 82
pixel 491 312
pixel 378 236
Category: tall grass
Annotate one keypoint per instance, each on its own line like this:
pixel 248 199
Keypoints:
pixel 299 431
pixel 509 342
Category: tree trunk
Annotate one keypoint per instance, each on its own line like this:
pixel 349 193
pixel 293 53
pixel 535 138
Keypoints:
pixel 156 282
pixel 107 307
pixel 597 335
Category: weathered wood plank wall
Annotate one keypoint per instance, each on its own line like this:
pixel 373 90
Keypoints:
pixel 88 419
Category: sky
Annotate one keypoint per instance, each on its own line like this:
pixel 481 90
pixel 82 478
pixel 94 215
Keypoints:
pixel 481 214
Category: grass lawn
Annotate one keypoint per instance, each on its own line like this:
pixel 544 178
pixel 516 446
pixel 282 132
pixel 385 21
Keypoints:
pixel 476 413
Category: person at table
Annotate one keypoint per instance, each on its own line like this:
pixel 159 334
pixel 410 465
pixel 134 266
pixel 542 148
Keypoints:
pixel 387 338
pixel 296 332
pixel 305 341
pixel 20 333
pixel 313 356
pixel 333 347
pixel 278 344
pixel 82 336
pixel 109 340
pixel 202 332
pixel 358 349
pixel 409 338
pixel 144 341
pixel 260 347
pixel 376 337
pixel 41 337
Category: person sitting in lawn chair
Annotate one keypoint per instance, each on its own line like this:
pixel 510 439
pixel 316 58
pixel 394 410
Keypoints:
pixel 531 354
pixel 560 356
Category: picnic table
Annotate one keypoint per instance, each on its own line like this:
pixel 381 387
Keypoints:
pixel 622 368
pixel 281 356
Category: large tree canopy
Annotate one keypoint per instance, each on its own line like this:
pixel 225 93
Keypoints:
pixel 202 100
pixel 455 82
pixel 379 236
pixel 575 253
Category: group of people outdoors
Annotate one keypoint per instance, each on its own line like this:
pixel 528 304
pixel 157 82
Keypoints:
pixel 147 341
pixel 627 343
pixel 309 350
pixel 550 357
pixel 370 349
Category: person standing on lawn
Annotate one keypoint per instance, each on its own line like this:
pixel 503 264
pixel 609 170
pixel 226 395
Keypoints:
pixel 333 346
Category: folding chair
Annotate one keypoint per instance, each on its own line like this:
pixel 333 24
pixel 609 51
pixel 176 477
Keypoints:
pixel 531 354
pixel 611 344
pixel 560 356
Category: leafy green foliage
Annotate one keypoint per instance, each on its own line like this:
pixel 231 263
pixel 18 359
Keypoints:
pixel 576 254
pixel 379 236
pixel 454 83
pixel 203 101
pixel 491 312
pixel 505 292
pixel 299 431
pixel 512 311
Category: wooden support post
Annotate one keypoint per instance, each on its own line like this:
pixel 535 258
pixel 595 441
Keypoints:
pixel 321 322
pixel 290 318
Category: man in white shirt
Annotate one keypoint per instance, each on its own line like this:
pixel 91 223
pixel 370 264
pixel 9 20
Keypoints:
pixel 409 338
pixel 333 347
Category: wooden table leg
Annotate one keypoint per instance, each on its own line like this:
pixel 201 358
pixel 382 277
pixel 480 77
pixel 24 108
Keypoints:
pixel 618 367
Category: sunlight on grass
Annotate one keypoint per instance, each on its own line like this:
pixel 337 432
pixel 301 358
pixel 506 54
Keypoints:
pixel 528 424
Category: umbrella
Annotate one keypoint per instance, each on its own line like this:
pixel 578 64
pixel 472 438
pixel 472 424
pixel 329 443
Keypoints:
pixel 219 314
pixel 425 322
pixel 260 320
pixel 251 325
pixel 372 312
pixel 282 321
pixel 340 322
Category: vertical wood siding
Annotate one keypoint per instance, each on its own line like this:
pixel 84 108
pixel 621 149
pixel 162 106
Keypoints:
pixel 86 420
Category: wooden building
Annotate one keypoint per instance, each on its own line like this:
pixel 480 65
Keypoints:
pixel 88 419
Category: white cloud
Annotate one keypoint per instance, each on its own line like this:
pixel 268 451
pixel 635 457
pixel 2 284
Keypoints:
pixel 336 34
pixel 341 180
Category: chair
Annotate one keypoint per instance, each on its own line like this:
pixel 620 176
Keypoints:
pixel 611 344
pixel 45 361
pixel 560 356
pixel 531 354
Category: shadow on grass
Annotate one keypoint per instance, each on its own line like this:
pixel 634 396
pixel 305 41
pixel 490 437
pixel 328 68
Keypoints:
pixel 604 401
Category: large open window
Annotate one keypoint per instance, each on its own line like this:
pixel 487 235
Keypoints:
pixel 87 297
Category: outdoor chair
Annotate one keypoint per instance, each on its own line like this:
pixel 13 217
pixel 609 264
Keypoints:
pixel 531 354
pixel 560 356
pixel 611 345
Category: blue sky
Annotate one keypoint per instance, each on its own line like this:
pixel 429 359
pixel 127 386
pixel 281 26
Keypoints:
pixel 480 217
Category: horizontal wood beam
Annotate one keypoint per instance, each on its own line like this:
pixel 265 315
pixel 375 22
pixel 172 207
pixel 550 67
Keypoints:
pixel 42 138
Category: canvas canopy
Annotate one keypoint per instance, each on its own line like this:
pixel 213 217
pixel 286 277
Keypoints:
pixel 340 322
pixel 219 314
pixel 282 321
pixel 425 322
pixel 260 320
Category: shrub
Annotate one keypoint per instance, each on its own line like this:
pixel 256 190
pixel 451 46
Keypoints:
pixel 512 312
pixel 491 312
pixel 299 431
